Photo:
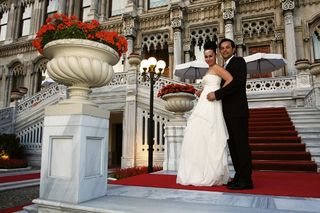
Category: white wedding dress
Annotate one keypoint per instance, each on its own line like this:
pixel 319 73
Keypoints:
pixel 203 156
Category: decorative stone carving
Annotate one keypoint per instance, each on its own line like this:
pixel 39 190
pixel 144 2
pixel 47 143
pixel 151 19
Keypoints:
pixel 129 26
pixel 287 4
pixel 198 36
pixel 256 28
pixel 176 22
pixel 155 40
pixel 228 10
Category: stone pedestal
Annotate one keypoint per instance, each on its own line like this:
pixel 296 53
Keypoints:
pixel 174 137
pixel 74 153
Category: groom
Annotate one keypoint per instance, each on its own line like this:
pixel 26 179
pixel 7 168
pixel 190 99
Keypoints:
pixel 236 113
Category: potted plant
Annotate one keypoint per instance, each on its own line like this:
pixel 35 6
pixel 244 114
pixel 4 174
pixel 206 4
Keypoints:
pixel 81 54
pixel 179 98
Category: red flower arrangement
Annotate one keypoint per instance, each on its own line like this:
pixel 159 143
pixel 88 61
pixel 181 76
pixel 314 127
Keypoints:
pixel 175 88
pixel 60 26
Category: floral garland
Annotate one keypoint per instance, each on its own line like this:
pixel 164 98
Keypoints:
pixel 175 88
pixel 60 26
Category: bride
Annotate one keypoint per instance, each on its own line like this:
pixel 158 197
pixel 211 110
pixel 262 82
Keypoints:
pixel 203 157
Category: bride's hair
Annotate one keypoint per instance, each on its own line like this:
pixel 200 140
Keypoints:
pixel 210 45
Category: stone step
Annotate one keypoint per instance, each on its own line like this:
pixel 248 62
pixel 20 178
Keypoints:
pixel 304 116
pixel 302 109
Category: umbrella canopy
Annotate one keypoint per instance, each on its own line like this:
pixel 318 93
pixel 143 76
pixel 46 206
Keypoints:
pixel 264 62
pixel 191 70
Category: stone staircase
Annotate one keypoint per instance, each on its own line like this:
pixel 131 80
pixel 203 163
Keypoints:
pixel 307 123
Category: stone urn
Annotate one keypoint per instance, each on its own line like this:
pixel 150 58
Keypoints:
pixel 134 60
pixel 179 103
pixel 80 64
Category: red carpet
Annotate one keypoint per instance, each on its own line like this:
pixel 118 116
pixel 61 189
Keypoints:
pixel 14 209
pixel 6 179
pixel 275 144
pixel 265 183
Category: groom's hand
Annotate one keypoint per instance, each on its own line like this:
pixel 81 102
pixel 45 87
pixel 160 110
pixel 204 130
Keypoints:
pixel 211 96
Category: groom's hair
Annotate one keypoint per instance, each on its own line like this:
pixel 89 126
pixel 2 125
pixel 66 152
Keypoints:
pixel 210 45
pixel 233 45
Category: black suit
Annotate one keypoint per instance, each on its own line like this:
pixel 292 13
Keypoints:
pixel 236 113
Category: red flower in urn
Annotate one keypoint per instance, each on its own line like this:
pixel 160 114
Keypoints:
pixel 175 88
pixel 60 26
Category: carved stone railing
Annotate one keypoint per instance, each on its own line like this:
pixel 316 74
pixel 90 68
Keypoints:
pixel 40 97
pixel 270 84
pixel 118 79
pixel 313 98
pixel 31 137
pixel 7 120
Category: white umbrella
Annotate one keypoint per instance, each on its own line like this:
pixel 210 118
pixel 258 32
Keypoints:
pixel 264 62
pixel 47 81
pixel 191 70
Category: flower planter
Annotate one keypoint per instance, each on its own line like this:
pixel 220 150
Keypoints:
pixel 179 103
pixel 80 65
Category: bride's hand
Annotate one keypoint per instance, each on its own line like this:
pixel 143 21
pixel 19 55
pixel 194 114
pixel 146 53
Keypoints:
pixel 198 93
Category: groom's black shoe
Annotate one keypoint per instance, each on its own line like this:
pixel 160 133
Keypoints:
pixel 239 185
pixel 233 181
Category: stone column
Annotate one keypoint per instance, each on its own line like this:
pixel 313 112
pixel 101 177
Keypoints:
pixel 186 50
pixel 239 44
pixel 228 10
pixel 62 6
pixel 174 137
pixel 129 29
pixel 93 14
pixel 176 16
pixel 130 116
pixel 2 86
pixel 102 11
pixel 288 7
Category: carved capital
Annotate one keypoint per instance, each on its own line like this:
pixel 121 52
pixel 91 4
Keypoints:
pixel 176 22
pixel 129 26
pixel 287 4
pixel 277 36
pixel 239 41
pixel 228 10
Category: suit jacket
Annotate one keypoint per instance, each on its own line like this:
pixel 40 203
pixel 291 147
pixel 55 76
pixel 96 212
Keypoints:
pixel 233 96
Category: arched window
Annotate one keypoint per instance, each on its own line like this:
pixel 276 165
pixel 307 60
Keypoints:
pixel 316 42
pixel 3 25
pixel 117 7
pixel 25 21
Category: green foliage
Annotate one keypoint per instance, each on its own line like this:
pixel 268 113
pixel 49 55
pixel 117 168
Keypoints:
pixel 10 145
pixel 68 33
